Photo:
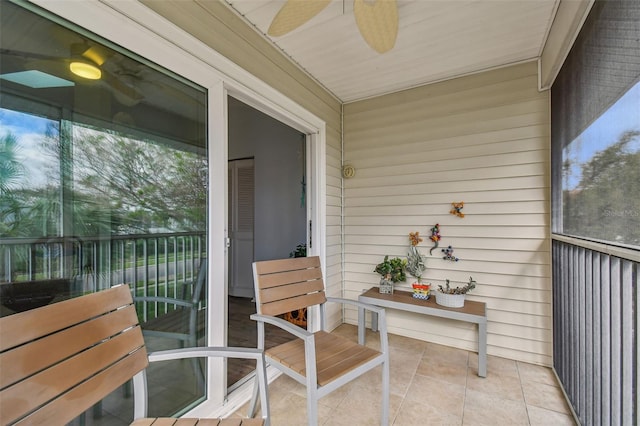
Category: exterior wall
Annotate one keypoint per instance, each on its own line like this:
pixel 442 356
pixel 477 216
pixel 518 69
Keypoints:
pixel 219 27
pixel 482 139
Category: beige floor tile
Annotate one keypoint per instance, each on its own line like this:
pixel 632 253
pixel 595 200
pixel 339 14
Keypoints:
pixel 486 409
pixel 363 407
pixel 407 344
pixel 536 373
pixel 431 385
pixel 443 396
pixel 541 417
pixel 496 385
pixel 285 384
pixel 443 370
pixel 349 331
pixel 495 365
pixel 417 414
pixel 403 366
pixel 445 354
pixel 545 396
pixel 291 410
pixel 334 399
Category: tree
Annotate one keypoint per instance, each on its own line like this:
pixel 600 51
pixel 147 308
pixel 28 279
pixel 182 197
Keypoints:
pixel 150 185
pixel 107 183
pixel 11 171
pixel 606 203
pixel 11 168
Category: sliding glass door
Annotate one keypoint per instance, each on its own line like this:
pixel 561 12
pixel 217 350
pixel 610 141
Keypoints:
pixel 104 180
pixel 116 172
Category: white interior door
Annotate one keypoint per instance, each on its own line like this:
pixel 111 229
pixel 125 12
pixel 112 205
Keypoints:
pixel 241 224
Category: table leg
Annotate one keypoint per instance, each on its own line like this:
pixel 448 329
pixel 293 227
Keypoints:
pixel 482 349
pixel 374 321
pixel 361 326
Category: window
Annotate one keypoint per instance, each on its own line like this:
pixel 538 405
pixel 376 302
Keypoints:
pixel 596 131
pixel 103 180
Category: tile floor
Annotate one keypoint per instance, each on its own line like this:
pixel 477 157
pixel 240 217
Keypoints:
pixel 431 385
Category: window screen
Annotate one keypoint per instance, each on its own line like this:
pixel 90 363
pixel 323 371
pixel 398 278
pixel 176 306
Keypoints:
pixel 596 129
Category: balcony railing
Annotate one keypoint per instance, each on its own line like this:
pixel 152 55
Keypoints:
pixel 152 264
pixel 595 321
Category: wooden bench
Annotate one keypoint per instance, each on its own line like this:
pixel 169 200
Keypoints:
pixel 59 360
pixel 474 312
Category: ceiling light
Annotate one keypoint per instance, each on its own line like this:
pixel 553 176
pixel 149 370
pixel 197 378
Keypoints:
pixel 85 69
pixel 36 79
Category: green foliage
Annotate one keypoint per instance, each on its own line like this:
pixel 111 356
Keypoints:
pixel 606 203
pixel 458 290
pixel 155 186
pixel 109 184
pixel 300 251
pixel 11 168
pixel 392 269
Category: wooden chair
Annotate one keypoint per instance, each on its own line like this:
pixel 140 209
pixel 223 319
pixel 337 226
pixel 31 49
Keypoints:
pixel 321 361
pixel 61 359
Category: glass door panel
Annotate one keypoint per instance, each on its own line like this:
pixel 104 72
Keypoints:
pixel 103 181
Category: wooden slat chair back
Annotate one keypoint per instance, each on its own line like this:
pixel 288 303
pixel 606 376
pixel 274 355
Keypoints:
pixel 61 359
pixel 289 284
pixel 319 360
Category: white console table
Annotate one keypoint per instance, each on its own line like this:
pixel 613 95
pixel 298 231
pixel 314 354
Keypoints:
pixel 474 312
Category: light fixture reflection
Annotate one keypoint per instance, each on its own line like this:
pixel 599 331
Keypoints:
pixel 85 70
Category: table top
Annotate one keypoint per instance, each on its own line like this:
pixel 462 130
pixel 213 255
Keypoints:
pixel 399 296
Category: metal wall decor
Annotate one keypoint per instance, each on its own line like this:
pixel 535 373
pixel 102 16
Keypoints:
pixel 448 254
pixel 457 209
pixel 435 237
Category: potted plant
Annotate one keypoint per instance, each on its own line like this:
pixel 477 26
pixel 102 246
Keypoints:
pixel 416 267
pixel 453 297
pixel 391 271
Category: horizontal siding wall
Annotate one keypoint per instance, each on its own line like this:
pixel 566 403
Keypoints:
pixel 481 139
pixel 217 26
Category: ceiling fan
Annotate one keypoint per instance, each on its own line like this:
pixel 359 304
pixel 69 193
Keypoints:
pixel 377 20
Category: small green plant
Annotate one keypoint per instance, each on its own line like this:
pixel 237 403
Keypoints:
pixel 458 290
pixel 300 251
pixel 392 269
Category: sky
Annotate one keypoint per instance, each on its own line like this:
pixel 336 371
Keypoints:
pixel 621 117
pixel 29 130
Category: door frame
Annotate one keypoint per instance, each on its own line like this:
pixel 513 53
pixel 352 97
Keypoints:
pixel 289 114
pixel 142 31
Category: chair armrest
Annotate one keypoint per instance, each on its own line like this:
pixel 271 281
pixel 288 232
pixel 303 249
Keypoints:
pixel 382 320
pixel 169 300
pixel 285 325
pixel 206 351
pixel 140 379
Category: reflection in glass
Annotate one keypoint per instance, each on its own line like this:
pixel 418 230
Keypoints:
pixel 103 181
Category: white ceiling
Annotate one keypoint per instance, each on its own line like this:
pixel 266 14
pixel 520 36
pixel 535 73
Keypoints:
pixel 437 39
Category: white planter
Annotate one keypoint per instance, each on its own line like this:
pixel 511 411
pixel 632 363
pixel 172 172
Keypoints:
pixel 450 300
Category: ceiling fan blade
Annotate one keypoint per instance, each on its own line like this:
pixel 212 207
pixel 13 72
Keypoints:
pixel 377 22
pixel 295 13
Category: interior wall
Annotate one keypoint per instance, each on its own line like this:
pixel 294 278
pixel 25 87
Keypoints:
pixel 277 150
pixel 483 140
